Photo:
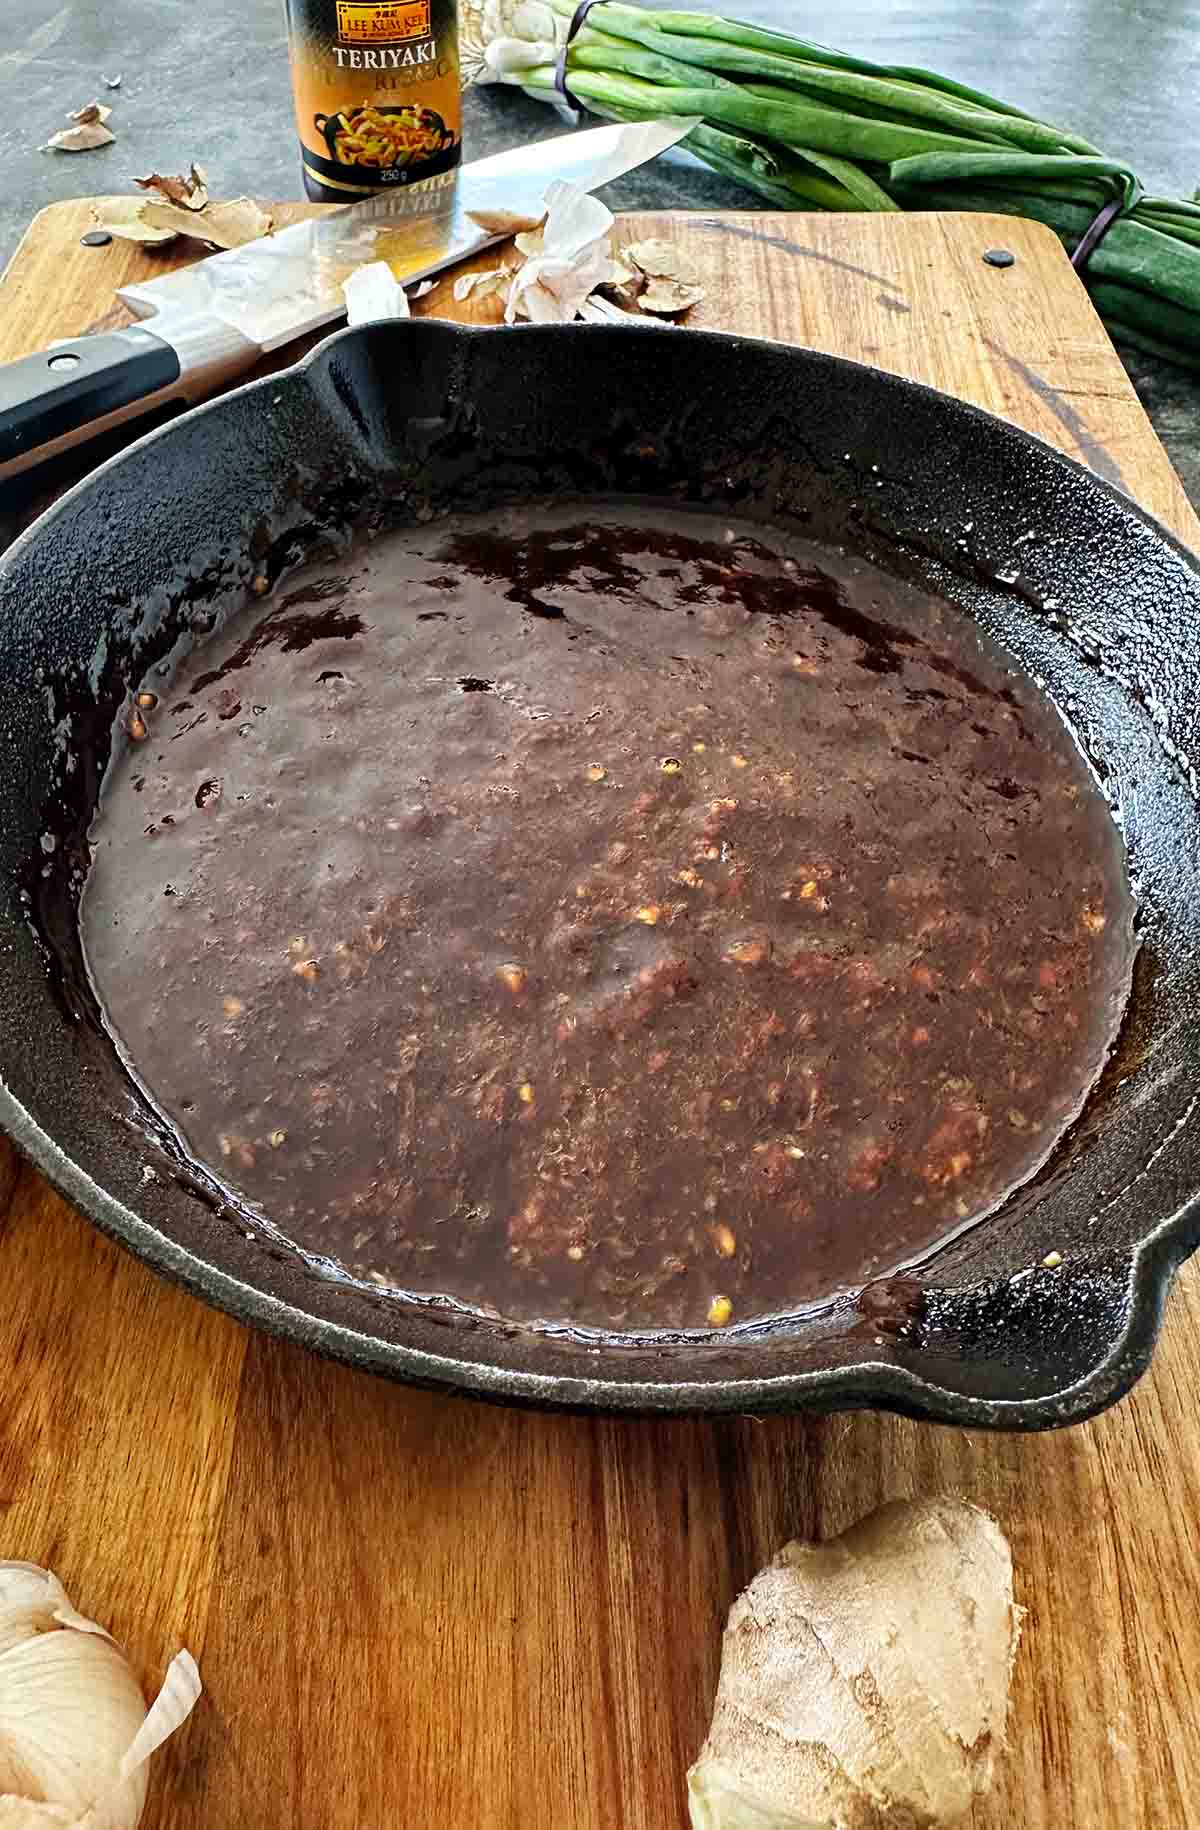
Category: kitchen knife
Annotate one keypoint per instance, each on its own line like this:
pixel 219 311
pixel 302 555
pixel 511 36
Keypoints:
pixel 214 319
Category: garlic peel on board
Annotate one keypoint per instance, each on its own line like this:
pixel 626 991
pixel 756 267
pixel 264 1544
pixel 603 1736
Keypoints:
pixel 864 1681
pixel 574 258
pixel 75 1733
pixel 373 292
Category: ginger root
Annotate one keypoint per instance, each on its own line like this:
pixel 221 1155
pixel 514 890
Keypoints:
pixel 864 1681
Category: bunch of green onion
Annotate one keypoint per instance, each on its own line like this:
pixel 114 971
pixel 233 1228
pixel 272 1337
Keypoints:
pixel 810 128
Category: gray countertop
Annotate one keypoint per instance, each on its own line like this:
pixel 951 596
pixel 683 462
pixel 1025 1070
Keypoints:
pixel 211 84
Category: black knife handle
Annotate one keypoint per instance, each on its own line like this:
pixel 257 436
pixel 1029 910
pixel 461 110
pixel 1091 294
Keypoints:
pixel 46 398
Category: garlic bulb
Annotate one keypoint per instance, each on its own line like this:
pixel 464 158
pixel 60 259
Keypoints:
pixel 864 1681
pixel 75 1734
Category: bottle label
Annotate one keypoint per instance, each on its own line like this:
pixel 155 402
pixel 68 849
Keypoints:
pixel 383 24
pixel 376 84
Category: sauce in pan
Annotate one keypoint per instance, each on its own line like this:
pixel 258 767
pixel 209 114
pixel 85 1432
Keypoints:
pixel 608 916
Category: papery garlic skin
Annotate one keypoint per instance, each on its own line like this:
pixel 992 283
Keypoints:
pixel 864 1681
pixel 69 1708
pixel 373 292
pixel 75 1733
pixel 575 258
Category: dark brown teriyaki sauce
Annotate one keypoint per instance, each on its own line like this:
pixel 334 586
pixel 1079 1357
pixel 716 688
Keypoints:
pixel 609 916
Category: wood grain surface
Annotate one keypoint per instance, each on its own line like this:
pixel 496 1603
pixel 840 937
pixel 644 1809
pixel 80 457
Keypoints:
pixel 411 1611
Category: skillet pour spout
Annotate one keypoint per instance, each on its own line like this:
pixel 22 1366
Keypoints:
pixel 1041 1314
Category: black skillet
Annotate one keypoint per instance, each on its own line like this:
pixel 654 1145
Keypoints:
pixel 389 422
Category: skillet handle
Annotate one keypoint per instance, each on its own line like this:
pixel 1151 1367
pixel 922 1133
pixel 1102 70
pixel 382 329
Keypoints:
pixel 79 388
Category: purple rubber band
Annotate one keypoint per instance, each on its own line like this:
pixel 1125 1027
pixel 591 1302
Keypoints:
pixel 560 69
pixel 1090 241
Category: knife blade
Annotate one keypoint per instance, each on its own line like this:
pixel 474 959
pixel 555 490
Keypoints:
pixel 210 322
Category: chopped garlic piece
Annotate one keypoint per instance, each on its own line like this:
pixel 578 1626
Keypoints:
pixel 480 285
pixel 374 292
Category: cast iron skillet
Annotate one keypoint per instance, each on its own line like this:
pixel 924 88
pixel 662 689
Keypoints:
pixel 391 422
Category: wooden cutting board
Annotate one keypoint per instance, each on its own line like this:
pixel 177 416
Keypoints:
pixel 411 1611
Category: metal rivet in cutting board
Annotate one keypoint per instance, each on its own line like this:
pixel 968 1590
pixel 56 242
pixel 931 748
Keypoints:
pixel 96 238
pixel 1000 257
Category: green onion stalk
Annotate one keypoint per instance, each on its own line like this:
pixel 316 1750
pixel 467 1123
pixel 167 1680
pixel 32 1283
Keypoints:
pixel 808 128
